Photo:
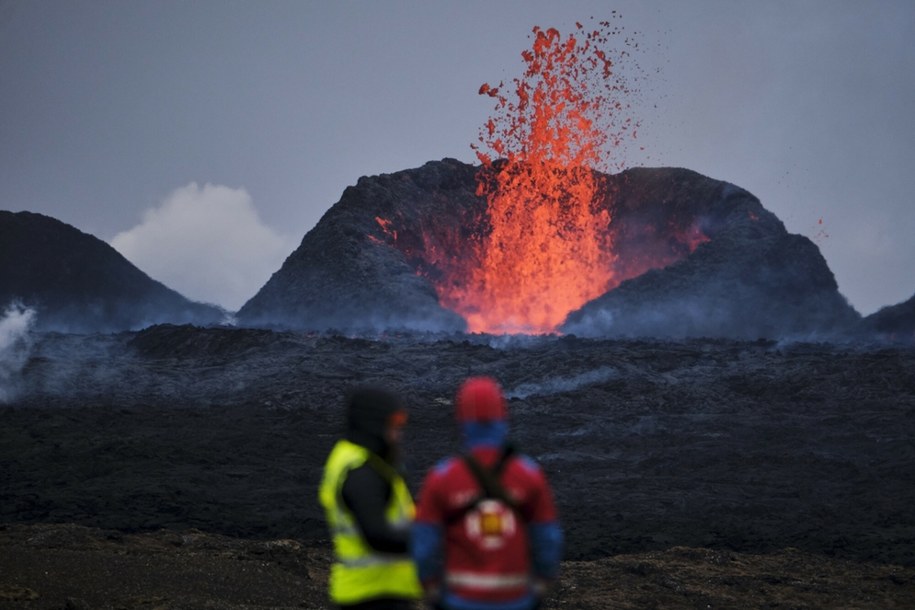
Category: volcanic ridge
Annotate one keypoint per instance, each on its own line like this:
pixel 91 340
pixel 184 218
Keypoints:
pixel 691 257
pixel 694 256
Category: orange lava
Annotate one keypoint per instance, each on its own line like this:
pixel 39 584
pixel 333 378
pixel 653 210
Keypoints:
pixel 548 249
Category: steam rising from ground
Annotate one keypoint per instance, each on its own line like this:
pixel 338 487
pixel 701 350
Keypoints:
pixel 556 385
pixel 15 347
pixel 207 243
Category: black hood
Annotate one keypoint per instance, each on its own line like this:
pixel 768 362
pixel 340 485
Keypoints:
pixel 368 409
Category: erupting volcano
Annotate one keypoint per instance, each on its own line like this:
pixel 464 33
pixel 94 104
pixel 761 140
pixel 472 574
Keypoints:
pixel 544 248
pixel 540 238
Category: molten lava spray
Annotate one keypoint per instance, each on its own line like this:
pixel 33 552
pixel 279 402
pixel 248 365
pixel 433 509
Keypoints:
pixel 547 250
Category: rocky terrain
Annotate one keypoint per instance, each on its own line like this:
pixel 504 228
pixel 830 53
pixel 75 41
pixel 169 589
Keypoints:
pixel 177 467
pixel 78 283
pixel 756 452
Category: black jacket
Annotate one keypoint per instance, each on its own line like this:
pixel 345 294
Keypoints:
pixel 366 492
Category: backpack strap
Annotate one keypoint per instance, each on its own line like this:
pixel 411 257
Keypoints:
pixel 488 480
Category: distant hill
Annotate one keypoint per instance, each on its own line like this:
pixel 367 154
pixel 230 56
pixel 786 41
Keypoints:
pixel 751 279
pixel 369 262
pixel 894 322
pixel 77 283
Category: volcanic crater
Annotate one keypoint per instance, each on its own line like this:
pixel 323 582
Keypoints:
pixel 691 256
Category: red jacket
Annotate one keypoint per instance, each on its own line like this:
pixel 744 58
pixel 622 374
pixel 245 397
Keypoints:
pixel 491 551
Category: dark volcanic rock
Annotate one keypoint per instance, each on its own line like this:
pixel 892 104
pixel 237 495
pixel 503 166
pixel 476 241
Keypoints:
pixel 893 323
pixel 745 446
pixel 372 260
pixel 78 283
pixel 344 275
pixel 750 279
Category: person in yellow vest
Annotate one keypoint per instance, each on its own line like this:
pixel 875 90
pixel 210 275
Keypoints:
pixel 369 508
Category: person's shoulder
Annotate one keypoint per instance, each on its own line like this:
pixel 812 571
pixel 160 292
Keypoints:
pixel 444 466
pixel 528 465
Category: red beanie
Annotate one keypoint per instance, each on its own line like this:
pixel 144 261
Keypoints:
pixel 480 399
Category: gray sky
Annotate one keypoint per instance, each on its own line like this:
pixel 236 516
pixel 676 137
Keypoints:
pixel 205 138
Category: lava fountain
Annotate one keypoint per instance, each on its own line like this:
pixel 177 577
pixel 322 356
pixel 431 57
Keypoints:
pixel 548 239
pixel 545 249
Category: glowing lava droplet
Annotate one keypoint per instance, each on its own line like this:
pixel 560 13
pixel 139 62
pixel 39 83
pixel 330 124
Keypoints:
pixel 547 249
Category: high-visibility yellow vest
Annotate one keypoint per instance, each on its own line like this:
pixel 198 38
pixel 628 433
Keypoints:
pixel 359 573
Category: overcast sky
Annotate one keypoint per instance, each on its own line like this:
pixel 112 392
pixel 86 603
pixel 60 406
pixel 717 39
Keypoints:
pixel 203 139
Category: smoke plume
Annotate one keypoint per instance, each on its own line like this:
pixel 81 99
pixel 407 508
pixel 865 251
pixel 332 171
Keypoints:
pixel 15 346
pixel 207 243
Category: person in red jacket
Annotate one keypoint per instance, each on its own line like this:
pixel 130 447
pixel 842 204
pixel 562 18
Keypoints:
pixel 486 534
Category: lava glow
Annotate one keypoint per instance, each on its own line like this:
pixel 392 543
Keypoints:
pixel 546 242
pixel 548 249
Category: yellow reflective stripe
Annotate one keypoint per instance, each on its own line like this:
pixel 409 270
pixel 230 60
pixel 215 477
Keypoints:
pixel 371 560
pixel 344 457
pixel 490 582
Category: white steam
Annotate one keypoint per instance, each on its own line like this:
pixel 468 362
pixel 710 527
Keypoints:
pixel 555 385
pixel 15 347
pixel 207 243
